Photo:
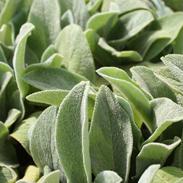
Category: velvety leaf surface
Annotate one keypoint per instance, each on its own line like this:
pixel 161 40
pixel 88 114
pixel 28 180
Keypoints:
pixel 166 112
pixel 53 61
pixel 72 44
pixel 126 6
pixel 78 9
pixel 103 23
pixel 52 177
pixel 8 11
pixel 108 177
pixel 120 80
pixel 18 59
pixel 48 52
pixel 7 35
pixel 131 24
pixel 107 55
pixel 50 97
pixel 46 20
pixel 147 80
pixel 153 42
pixel 149 173
pixel 174 62
pixel 42 139
pixel 73 145
pixel 52 78
pixel 22 130
pixel 119 56
pixel 169 175
pixel 13 115
pixel 111 138
pixel 154 153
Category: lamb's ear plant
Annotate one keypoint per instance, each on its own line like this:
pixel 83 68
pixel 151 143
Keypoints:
pixel 73 145
pixel 110 152
pixel 91 91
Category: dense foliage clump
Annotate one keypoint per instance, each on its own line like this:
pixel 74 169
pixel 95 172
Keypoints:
pixel 91 91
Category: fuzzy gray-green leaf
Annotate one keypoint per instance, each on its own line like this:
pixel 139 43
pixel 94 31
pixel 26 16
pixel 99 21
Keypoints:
pixel 42 142
pixel 77 57
pixel 108 177
pixel 72 140
pixel 47 24
pixel 19 54
pixel 155 153
pixel 111 138
pixel 46 78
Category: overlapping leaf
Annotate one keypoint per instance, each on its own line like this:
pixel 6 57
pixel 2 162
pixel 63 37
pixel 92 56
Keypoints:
pixel 111 139
pixel 73 145
pixel 72 44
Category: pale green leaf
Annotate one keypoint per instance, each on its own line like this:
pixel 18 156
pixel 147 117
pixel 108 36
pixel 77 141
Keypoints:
pixel 93 6
pixel 67 18
pixel 174 62
pixel 152 42
pixel 125 6
pixel 7 35
pixel 78 8
pixel 42 139
pixel 161 9
pixel 177 45
pixel 148 174
pixel 77 57
pixel 103 23
pixel 53 61
pixel 106 55
pixel 45 78
pixel 168 175
pixel 52 177
pixel 49 51
pixel 154 153
pixel 166 76
pixel 148 81
pixel 13 115
pixel 49 97
pixel 137 134
pixel 8 11
pixel 119 56
pixel 21 131
pixel 4 67
pixel 72 140
pixel 166 112
pixel 46 97
pixel 111 139
pixel 47 24
pixel 32 174
pixel 108 177
pixel 130 25
pixel 18 58
pixel 122 82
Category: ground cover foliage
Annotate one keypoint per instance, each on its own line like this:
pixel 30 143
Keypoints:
pixel 91 91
